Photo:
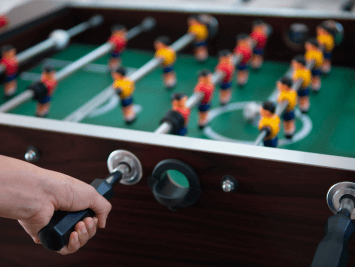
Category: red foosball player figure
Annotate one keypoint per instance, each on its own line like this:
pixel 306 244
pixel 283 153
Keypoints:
pixel 119 41
pixel 286 93
pixel 164 51
pixel 124 88
pixel 50 82
pixel 300 71
pixel 225 65
pixel 259 34
pixel 243 48
pixel 326 40
pixel 9 61
pixel 3 20
pixel 179 105
pixel 206 86
pixel 270 122
pixel 314 52
pixel 200 31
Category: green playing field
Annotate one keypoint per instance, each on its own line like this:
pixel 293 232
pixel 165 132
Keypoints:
pixel 330 122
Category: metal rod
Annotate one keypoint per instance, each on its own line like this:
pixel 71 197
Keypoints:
pixel 102 97
pixel 25 96
pixel 50 43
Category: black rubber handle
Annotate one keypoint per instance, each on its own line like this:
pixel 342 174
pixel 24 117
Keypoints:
pixel 55 235
pixel 332 251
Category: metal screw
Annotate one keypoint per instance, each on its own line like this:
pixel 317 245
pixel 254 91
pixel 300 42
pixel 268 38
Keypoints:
pixel 229 183
pixel 32 154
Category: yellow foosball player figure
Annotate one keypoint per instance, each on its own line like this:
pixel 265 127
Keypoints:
pixel 300 71
pixel 164 51
pixel 119 41
pixel 179 105
pixel 124 88
pixel 270 122
pixel 200 31
pixel 9 61
pixel 314 52
pixel 49 80
pixel 286 93
pixel 327 42
pixel 225 65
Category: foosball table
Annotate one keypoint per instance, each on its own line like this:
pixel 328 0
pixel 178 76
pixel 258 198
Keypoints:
pixel 214 197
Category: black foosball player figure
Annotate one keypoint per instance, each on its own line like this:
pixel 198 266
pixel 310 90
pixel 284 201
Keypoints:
pixel 226 66
pixel 200 31
pixel 179 105
pixel 9 61
pixel 287 93
pixel 270 122
pixel 260 35
pixel 326 39
pixel 205 86
pixel 314 52
pixel 164 51
pixel 300 71
pixel 119 40
pixel 124 88
pixel 50 82
pixel 244 49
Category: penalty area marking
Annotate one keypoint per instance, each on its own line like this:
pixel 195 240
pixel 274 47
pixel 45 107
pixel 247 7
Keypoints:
pixel 301 134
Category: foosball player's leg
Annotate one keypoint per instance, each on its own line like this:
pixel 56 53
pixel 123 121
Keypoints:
pixel 242 75
pixel 128 110
pixel 43 107
pixel 257 58
pixel 10 86
pixel 201 51
pixel 225 94
pixel 289 124
pixel 203 115
pixel 303 100
pixel 271 142
pixel 115 61
pixel 169 77
pixel 316 79
pixel 327 65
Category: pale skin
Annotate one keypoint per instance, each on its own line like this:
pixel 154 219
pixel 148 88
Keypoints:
pixel 288 125
pixel 128 112
pixel 168 77
pixel 315 79
pixel 201 52
pixel 10 87
pixel 115 62
pixel 31 195
pixel 304 100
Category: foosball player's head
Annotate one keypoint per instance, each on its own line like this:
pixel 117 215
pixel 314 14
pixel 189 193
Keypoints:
pixel 324 30
pixel 224 56
pixel 48 72
pixel 161 42
pixel 259 26
pixel 179 100
pixel 8 51
pixel 119 73
pixel 312 45
pixel 243 39
pixel 299 63
pixel 194 20
pixel 267 109
pixel 284 84
pixel 119 30
pixel 205 76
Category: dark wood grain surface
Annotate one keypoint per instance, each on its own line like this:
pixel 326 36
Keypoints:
pixel 276 218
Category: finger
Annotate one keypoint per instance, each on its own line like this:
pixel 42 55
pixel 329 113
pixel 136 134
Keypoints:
pixel 83 233
pixel 96 221
pixel 90 226
pixel 102 208
pixel 72 246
